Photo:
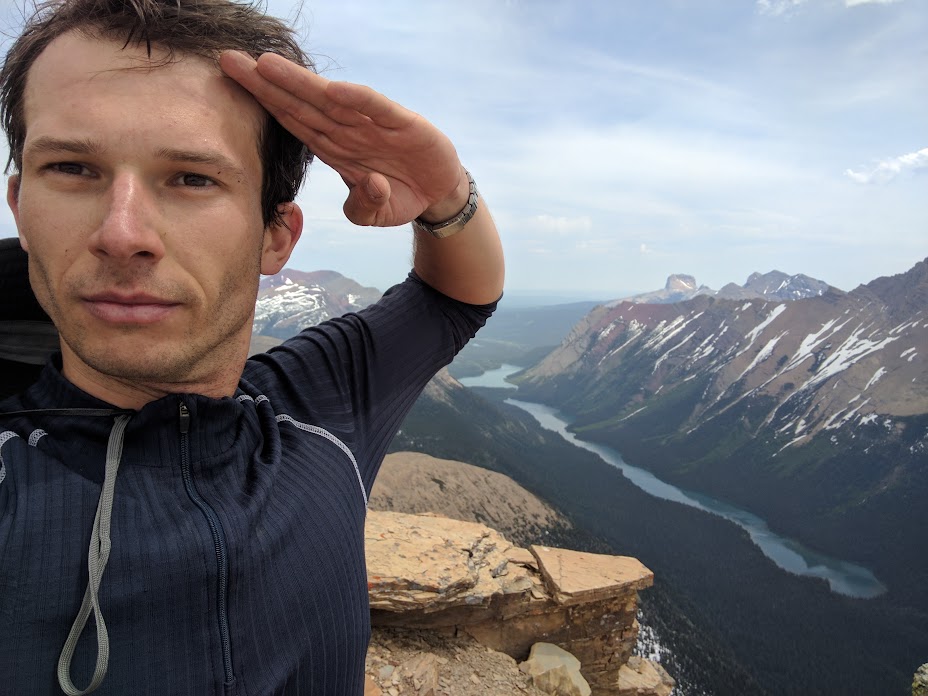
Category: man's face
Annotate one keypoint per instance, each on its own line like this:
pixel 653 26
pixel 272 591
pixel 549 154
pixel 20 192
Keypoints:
pixel 139 204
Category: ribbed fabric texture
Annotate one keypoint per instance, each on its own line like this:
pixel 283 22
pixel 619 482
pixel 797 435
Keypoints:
pixel 286 501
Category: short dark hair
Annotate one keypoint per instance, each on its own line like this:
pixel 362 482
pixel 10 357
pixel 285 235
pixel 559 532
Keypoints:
pixel 202 28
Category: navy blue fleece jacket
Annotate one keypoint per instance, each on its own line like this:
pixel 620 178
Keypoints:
pixel 237 558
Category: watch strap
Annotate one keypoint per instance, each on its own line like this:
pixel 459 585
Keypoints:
pixel 457 223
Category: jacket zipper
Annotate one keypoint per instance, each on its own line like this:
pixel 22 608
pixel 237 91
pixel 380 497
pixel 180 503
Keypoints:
pixel 219 543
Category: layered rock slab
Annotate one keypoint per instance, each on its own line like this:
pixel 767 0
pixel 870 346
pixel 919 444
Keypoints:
pixel 446 575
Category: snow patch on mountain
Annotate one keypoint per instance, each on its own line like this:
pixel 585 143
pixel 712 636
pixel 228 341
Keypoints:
pixel 876 377
pixel 830 423
pixel 812 341
pixel 848 353
pixel 757 330
pixel 764 353
pixel 633 329
pixel 657 363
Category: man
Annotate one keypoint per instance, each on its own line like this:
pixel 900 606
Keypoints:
pixel 175 519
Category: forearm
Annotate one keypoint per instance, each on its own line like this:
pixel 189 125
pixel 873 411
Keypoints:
pixel 467 266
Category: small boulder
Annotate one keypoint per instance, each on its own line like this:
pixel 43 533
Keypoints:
pixel 555 671
pixel 640 676
pixel 419 674
pixel 371 688
pixel 920 682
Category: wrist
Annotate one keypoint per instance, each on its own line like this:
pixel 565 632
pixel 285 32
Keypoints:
pixel 451 205
pixel 448 226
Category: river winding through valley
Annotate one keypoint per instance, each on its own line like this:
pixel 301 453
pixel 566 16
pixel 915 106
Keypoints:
pixel 842 577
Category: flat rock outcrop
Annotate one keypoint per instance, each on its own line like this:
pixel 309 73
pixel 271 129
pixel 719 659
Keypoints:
pixel 462 578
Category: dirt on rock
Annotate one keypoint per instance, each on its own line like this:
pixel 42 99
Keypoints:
pixel 404 662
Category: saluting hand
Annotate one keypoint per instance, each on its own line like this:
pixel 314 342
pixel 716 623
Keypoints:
pixel 397 165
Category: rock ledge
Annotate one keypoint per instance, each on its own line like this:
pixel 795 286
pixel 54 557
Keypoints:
pixel 454 577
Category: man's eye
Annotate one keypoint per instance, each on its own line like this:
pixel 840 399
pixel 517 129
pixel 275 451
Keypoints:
pixel 195 180
pixel 69 168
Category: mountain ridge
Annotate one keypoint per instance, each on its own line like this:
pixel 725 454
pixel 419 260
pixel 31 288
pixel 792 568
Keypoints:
pixel 811 413
pixel 292 300
pixel 705 580
pixel 773 285
pixel 758 347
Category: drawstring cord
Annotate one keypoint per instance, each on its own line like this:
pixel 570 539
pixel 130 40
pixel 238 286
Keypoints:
pixel 97 557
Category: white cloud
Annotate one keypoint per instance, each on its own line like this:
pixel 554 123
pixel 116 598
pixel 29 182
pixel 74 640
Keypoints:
pixel 776 8
pixel 889 169
pixel 854 3
pixel 563 225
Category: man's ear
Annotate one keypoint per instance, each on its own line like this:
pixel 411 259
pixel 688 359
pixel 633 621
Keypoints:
pixel 280 238
pixel 12 199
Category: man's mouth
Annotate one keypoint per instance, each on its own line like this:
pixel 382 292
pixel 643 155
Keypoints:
pixel 129 308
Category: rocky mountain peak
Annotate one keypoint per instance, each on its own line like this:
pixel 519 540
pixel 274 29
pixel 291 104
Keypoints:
pixel 902 294
pixel 780 286
pixel 774 285
pixel 292 300
pixel 679 282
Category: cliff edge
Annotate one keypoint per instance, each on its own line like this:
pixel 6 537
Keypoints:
pixel 455 606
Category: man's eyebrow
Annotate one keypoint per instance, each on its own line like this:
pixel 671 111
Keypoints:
pixel 208 158
pixel 48 143
pixel 88 146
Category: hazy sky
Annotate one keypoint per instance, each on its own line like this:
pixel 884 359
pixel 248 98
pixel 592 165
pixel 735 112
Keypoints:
pixel 619 142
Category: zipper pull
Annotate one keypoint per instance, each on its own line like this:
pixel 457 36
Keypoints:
pixel 184 419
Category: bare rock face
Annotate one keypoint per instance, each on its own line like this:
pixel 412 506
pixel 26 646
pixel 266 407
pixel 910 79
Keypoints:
pixel 579 578
pixel 640 676
pixel 416 483
pixel 920 682
pixel 371 687
pixel 463 667
pixel 555 671
pixel 449 576
pixel 426 563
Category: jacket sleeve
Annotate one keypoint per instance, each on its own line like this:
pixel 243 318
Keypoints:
pixel 359 375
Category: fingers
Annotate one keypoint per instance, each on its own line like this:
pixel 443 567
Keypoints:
pixel 369 103
pixel 279 83
pixel 332 98
pixel 280 101
pixel 368 200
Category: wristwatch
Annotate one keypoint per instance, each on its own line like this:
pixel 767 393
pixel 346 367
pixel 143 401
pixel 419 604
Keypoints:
pixel 455 224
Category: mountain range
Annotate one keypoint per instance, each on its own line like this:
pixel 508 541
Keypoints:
pixel 733 622
pixel 809 412
pixel 774 285
pixel 812 413
pixel 292 300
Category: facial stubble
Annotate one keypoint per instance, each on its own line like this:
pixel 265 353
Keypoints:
pixel 211 343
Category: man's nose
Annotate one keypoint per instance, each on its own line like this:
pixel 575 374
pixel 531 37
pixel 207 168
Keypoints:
pixel 128 229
